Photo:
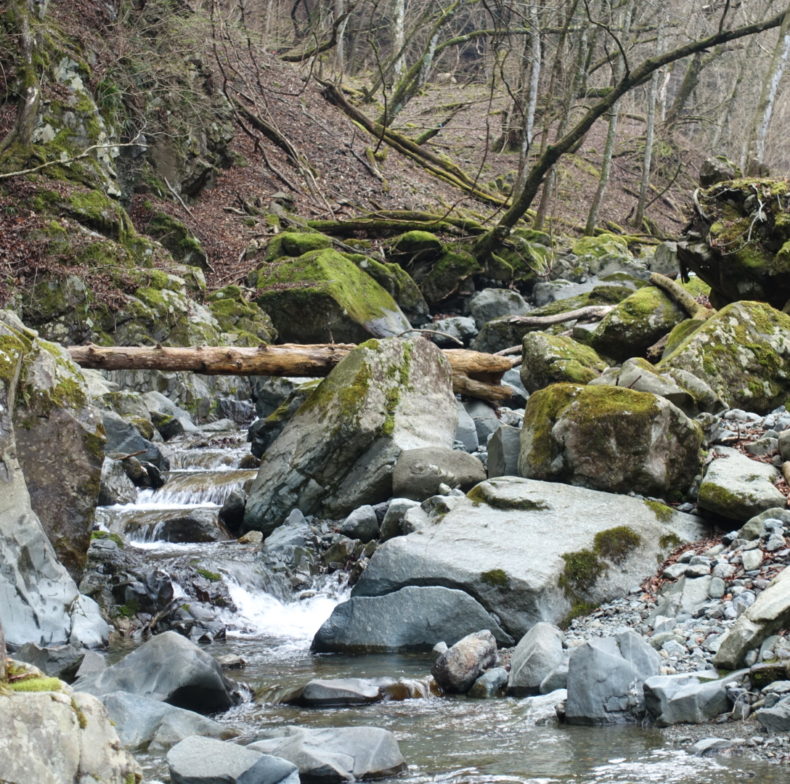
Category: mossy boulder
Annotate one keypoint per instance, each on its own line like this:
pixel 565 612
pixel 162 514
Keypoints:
pixel 601 246
pixel 609 438
pixel 295 243
pixel 183 245
pixel 553 358
pixel 237 315
pixel 414 246
pixel 739 241
pixel 397 282
pixel 321 297
pixel 338 450
pixel 742 353
pixel 636 323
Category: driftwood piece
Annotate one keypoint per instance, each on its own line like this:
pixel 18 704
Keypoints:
pixel 679 295
pixel 589 313
pixel 284 360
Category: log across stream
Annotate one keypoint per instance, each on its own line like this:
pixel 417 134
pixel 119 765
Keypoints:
pixel 475 374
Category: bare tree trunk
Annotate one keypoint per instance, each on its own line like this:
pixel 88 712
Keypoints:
pixel 647 160
pixel 340 44
pixel 535 62
pixel 399 38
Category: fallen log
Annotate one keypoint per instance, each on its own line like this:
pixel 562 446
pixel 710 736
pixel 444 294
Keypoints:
pixel 292 359
pixel 588 313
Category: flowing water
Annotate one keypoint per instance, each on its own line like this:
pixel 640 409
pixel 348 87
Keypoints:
pixel 444 740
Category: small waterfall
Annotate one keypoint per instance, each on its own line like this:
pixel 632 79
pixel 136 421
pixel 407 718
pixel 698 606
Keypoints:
pixel 197 487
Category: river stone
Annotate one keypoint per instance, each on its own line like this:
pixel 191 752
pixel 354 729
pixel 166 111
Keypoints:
pixel 167 667
pixel 362 524
pixel 605 677
pixel 393 523
pixel 466 432
pixel 504 448
pixel 549 359
pixel 142 721
pixel 637 373
pixel 538 653
pixel 737 487
pixel 743 353
pixel 636 323
pixel 335 754
pixel 777 717
pixel 327 299
pixel 116 487
pixel 770 612
pixel 609 438
pixel 460 665
pixel 489 304
pixel 162 407
pixel 60 447
pixel 38 597
pixel 55 737
pixel 197 760
pixel 419 472
pixel 485 419
pixel 492 683
pixel 504 545
pixel 689 698
pixel 124 439
pixel 338 450
pixel 412 618
pixel 337 692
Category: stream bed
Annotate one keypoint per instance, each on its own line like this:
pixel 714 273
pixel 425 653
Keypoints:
pixel 447 740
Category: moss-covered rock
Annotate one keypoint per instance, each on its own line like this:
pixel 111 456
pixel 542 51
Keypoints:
pixel 183 245
pixel 636 323
pixel 737 241
pixel 609 438
pixel 441 278
pixel 295 243
pixel 397 282
pixel 742 353
pixel 553 358
pixel 236 315
pixel 601 246
pixel 322 297
pixel 414 246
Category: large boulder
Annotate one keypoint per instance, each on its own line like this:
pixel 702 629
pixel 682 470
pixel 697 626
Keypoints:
pixel 770 612
pixel 549 359
pixel 57 736
pixel 529 551
pixel 606 677
pixel 419 473
pixel 197 760
pixel 335 754
pixel 41 603
pixel 411 618
pixel 742 353
pixel 737 487
pixel 170 668
pixel 609 438
pixel 338 451
pixel 53 416
pixel 739 241
pixel 636 323
pixel 322 297
pixel 690 698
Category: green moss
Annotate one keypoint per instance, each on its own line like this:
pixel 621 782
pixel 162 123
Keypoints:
pixel 484 494
pixel 582 570
pixel 82 719
pixel 128 610
pixel 117 538
pixel 602 245
pixel 13 347
pixel 497 578
pixel 213 577
pixel 669 542
pixel 543 408
pixel 615 544
pixel 36 683
pixel 662 512
pixel 292 243
pixel 578 610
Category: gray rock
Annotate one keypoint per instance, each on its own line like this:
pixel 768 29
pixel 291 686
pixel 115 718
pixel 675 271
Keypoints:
pixel 755 527
pixel 777 717
pixel 542 710
pixel 708 747
pixel 691 698
pixel 335 754
pixel 504 448
pixel 462 664
pixel 538 653
pixel 337 692
pixel 59 661
pixel 466 432
pixel 362 524
pixel 605 677
pixel 556 679
pixel 770 612
pixel 140 721
pixel 784 444
pixel 337 451
pixel 504 545
pixel 167 667
pixel 412 618
pixel 489 304
pixel 125 439
pixel 393 522
pixel 492 683
pixel 198 760
pixel 162 408
pixel 461 328
pixel 485 419
pixel 738 488
pixel 116 487
pixel 419 472
pixel 60 736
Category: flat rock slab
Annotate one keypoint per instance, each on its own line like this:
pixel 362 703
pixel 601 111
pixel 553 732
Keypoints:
pixel 738 487
pixel 504 544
